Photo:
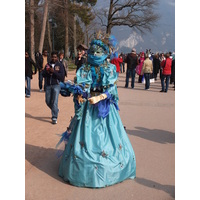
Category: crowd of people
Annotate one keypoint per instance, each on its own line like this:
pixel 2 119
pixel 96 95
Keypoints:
pixel 148 65
pixel 52 70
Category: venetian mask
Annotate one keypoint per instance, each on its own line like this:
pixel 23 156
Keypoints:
pixel 96 50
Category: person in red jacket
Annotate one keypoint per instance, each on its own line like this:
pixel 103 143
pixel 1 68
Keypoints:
pixel 116 61
pixel 166 72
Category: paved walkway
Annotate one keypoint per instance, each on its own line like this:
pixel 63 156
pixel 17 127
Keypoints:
pixel 149 117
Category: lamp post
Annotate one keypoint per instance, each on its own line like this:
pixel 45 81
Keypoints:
pixel 53 26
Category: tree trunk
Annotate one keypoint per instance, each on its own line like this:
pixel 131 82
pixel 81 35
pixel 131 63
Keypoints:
pixel 109 26
pixel 75 51
pixel 43 26
pixel 66 30
pixel 32 39
pixel 49 38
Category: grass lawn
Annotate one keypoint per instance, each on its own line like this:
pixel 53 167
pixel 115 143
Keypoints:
pixel 71 65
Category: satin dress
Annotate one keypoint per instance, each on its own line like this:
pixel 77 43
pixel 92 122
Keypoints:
pixel 98 152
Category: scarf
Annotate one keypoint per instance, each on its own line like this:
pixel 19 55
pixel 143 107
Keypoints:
pixel 96 60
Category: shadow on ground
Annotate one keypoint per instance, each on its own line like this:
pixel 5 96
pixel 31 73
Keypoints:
pixel 37 90
pixel 170 189
pixel 155 135
pixel 44 159
pixel 44 119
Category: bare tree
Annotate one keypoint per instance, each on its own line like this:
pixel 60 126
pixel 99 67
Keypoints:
pixel 138 14
pixel 32 38
pixel 44 22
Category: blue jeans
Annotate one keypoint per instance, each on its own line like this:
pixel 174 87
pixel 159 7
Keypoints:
pixel 28 86
pixel 130 72
pixel 122 67
pixel 147 80
pixel 167 82
pixel 51 98
pixel 40 81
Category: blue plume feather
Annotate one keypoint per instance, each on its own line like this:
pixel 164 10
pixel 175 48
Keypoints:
pixel 64 137
pixel 113 41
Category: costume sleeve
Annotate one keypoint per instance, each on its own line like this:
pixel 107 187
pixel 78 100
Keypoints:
pixel 109 81
pixel 84 77
pixel 110 75
pixel 80 89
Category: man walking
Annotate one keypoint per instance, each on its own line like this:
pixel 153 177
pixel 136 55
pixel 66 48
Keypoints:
pixel 54 73
pixel 28 73
pixel 132 62
pixel 42 60
pixel 63 61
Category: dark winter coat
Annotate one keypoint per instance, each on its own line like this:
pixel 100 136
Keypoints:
pixel 173 71
pixel 132 61
pixel 156 65
pixel 57 76
pixel 28 67
pixel 79 63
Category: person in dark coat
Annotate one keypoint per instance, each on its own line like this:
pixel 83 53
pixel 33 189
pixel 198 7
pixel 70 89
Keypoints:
pixel 172 78
pixel 54 73
pixel 80 60
pixel 156 66
pixel 28 73
pixel 132 62
pixel 42 60
pixel 63 61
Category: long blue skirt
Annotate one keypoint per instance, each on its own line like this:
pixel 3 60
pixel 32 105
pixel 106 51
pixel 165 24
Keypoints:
pixel 98 153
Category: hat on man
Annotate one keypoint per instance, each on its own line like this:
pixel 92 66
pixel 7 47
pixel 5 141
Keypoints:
pixel 133 50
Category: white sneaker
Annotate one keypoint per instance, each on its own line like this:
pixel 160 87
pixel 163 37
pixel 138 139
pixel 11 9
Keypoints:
pixel 54 121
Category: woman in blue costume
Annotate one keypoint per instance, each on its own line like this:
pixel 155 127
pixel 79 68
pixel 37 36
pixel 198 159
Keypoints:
pixel 98 152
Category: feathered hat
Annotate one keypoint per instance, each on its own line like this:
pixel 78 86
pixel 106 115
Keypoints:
pixel 106 41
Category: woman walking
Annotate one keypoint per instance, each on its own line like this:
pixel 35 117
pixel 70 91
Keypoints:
pixel 147 69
